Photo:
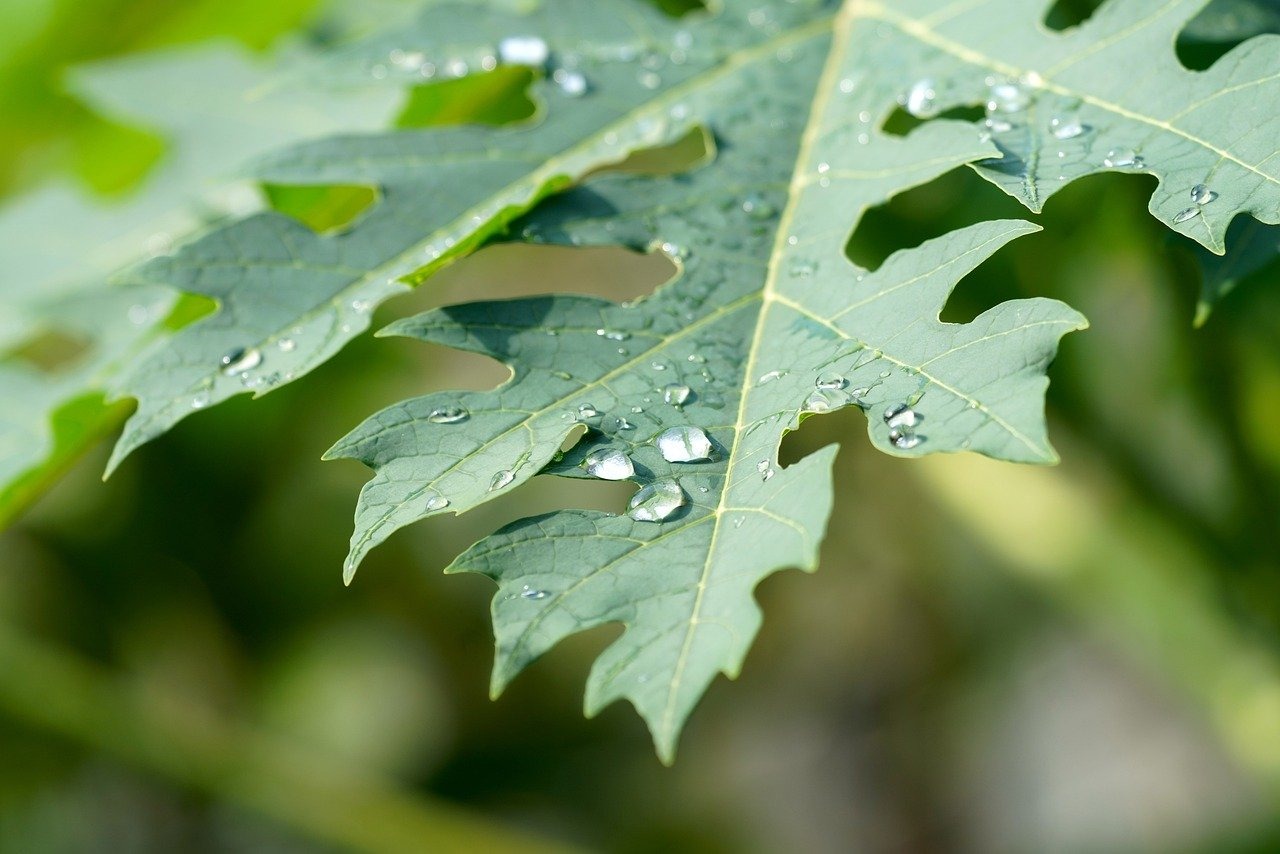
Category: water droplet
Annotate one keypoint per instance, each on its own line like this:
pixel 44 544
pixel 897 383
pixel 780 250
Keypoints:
pixel 770 377
pixel 1121 158
pixel 1202 195
pixel 437 502
pixel 830 380
pixel 572 83
pixel 360 306
pixel 765 469
pixel 1008 98
pixel 623 424
pixel 239 360
pixel 200 401
pixel 448 415
pixel 758 208
pixel 527 592
pixel 901 415
pixel 613 335
pixel 904 439
pixel 523 50
pixel 649 79
pixel 684 444
pixel 287 345
pixel 921 100
pixel 586 410
pixel 1066 127
pixel 656 501
pixel 609 464
pixel 502 480
pixel 675 394
pixel 139 314
pixel 846 85
pixel 658 366
pixel 998 125
pixel 825 400
pixel 456 67
pixel 802 268
pixel 1186 214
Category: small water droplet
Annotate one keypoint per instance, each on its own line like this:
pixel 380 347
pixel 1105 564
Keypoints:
pixel 572 83
pixel 656 501
pixel 502 480
pixel 1066 127
pixel 200 401
pixel 586 410
pixel 846 85
pixel 649 79
pixel 904 439
pixel 239 360
pixel 770 377
pixel 623 424
pixel 138 314
pixel 684 444
pixel 613 334
pixel 1202 195
pixel 675 394
pixel 921 99
pixel 758 208
pixel 437 502
pixel 609 464
pixel 1008 98
pixel 1186 214
pixel 1122 158
pixel 901 415
pixel 523 50
pixel 802 268
pixel 287 345
pixel 448 415
pixel 998 125
pixel 527 592
pixel 360 306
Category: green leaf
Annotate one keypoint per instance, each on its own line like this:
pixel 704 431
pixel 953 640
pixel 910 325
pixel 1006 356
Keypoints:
pixel 767 323
pixel 1109 95
pixel 292 298
pixel 209 105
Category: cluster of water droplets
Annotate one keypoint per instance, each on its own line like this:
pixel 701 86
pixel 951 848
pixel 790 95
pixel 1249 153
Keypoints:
pixel 1201 195
pixel 831 391
pixel 902 420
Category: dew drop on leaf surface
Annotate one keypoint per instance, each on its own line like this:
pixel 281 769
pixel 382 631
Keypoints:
pixel 656 501
pixel 609 464
pixel 683 444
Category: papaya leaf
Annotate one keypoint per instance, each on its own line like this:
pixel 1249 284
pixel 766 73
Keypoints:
pixel 689 392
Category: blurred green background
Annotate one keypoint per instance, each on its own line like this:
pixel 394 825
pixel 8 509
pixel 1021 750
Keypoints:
pixel 992 658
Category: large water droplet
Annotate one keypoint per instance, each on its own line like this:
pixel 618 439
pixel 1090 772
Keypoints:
pixel 448 415
pixel 609 464
pixel 921 99
pixel 675 394
pixel 239 360
pixel 830 380
pixel 523 50
pixel 437 502
pixel 825 400
pixel 501 480
pixel 586 410
pixel 1202 195
pixel 684 444
pixel 656 501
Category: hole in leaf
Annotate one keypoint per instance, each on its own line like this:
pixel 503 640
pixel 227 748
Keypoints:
pixel 323 209
pixel 957 199
pixel 689 151
pixel 680 8
pixel 53 350
pixel 1222 26
pixel 901 123
pixel 495 97
pixel 1065 14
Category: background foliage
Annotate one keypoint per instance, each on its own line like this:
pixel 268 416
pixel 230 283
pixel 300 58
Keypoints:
pixel 991 658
